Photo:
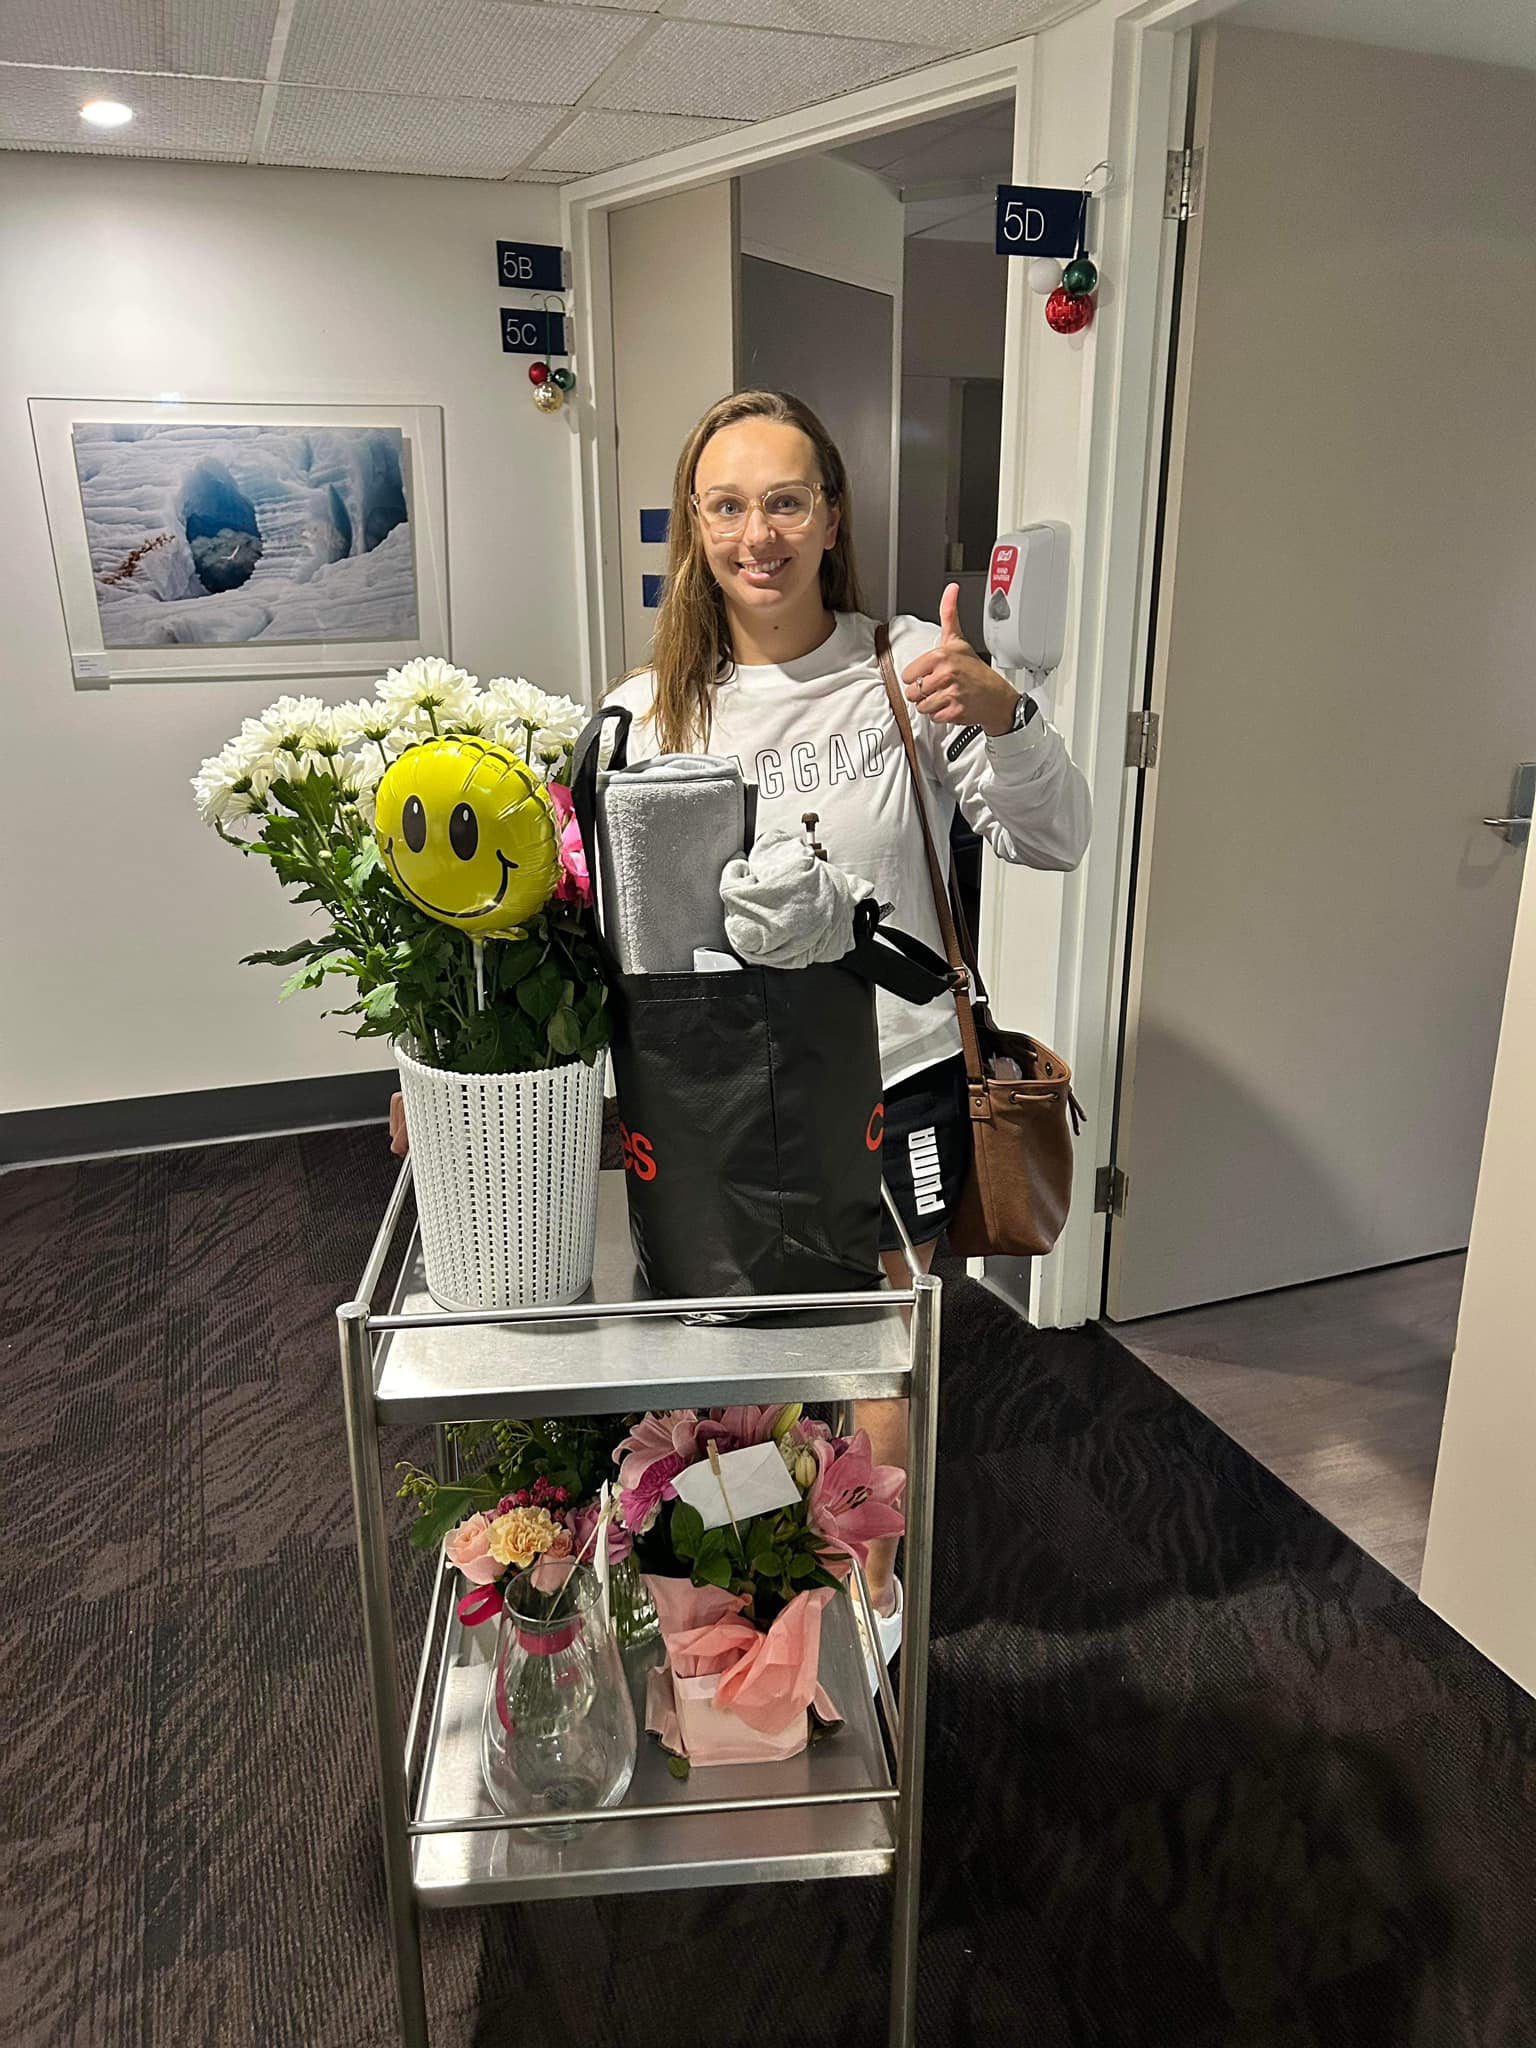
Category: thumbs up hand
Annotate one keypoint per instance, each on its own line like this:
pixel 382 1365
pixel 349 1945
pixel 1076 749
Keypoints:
pixel 953 685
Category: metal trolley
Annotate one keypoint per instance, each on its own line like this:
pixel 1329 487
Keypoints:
pixel 849 1807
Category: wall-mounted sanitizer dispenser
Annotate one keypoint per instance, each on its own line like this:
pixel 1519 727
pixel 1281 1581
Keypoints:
pixel 1026 606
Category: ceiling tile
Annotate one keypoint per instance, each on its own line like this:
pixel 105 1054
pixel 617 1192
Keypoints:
pixel 958 25
pixel 689 67
pixel 177 117
pixel 216 37
pixel 597 141
pixel 381 131
pixel 457 49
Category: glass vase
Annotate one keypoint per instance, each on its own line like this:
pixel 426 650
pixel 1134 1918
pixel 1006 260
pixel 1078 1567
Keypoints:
pixel 559 1729
pixel 635 1621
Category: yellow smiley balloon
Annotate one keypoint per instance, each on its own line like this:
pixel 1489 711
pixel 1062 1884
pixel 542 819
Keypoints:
pixel 468 833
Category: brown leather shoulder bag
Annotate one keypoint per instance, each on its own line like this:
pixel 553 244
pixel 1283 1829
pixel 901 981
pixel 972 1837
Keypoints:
pixel 1024 1115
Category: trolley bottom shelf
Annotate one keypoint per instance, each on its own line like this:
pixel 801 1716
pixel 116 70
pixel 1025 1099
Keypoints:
pixel 680 1850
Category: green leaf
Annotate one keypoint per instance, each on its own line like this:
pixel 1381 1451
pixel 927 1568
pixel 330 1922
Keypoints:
pixel 801 1566
pixel 539 995
pixel 307 977
pixel 378 1002
pixel 678 1766
pixel 565 1032
pixel 713 1571
pixel 687 1530
pixel 284 956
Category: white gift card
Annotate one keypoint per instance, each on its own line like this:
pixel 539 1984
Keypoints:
pixel 755 1481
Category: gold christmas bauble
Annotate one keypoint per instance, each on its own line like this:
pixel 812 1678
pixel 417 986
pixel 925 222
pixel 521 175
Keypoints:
pixel 548 397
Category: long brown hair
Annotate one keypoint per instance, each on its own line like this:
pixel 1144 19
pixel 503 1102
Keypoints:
pixel 692 645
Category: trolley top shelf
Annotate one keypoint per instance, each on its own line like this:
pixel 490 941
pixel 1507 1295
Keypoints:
pixel 612 1360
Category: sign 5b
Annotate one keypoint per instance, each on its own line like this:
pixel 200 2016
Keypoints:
pixel 1038 220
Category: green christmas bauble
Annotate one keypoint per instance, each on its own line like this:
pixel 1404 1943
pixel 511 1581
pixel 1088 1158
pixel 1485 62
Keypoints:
pixel 1080 277
pixel 566 379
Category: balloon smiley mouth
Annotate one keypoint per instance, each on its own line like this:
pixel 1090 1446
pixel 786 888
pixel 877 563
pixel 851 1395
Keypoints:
pixel 436 909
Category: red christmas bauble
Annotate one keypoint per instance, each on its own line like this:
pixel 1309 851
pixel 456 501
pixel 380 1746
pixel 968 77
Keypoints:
pixel 538 373
pixel 1068 315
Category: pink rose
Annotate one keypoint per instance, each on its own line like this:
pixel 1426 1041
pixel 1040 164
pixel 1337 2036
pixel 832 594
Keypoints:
pixel 467 1548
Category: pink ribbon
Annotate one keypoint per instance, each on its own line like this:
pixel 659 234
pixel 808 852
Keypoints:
pixel 480 1603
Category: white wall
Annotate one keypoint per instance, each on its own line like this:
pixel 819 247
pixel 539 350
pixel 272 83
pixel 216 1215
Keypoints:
pixel 672 272
pixel 123 918
pixel 820 213
pixel 1482 1523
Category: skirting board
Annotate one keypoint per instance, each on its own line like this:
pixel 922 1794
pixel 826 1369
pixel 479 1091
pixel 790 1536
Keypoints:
pixel 200 1116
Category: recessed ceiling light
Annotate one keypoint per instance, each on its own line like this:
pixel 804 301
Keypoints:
pixel 106 113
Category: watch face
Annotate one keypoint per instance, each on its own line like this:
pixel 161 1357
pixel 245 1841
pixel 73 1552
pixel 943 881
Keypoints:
pixel 1025 712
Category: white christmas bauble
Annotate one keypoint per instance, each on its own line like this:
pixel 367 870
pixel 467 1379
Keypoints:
pixel 1044 275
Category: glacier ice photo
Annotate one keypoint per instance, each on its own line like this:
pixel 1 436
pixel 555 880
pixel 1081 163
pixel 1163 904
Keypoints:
pixel 215 535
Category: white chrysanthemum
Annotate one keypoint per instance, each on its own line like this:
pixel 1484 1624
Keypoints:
pixel 228 787
pixel 427 685
pixel 515 701
pixel 360 719
pixel 564 718
pixel 477 718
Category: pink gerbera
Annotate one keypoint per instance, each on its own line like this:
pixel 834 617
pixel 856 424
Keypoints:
pixel 853 1501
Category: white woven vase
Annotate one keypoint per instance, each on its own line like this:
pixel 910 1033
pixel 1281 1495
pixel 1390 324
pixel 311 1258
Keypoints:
pixel 506 1181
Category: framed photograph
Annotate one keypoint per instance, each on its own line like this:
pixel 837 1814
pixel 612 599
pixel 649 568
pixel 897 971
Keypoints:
pixel 254 542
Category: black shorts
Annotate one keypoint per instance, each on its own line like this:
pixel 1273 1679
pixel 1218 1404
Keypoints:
pixel 926 1151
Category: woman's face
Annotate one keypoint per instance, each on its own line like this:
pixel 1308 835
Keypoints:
pixel 762 569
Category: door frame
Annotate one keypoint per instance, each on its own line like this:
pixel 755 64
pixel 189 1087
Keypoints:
pixel 1114 489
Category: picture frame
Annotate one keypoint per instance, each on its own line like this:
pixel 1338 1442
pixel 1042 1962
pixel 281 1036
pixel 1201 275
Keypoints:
pixel 244 542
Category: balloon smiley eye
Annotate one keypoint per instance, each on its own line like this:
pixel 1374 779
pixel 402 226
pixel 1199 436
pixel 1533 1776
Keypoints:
pixel 413 823
pixel 463 831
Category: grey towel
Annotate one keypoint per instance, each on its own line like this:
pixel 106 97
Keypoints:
pixel 665 829
pixel 786 908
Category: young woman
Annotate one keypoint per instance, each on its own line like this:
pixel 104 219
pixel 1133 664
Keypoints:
pixel 763 649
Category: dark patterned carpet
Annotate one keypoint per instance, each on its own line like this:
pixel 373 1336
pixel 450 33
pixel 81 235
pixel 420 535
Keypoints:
pixel 1201 1773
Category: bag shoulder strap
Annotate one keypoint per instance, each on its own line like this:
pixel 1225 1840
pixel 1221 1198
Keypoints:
pixel 975 1072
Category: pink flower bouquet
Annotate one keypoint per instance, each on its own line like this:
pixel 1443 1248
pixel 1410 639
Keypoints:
pixel 740 1586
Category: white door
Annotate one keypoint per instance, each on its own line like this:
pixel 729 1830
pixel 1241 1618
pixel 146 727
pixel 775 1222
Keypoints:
pixel 1482 1523
pixel 1345 668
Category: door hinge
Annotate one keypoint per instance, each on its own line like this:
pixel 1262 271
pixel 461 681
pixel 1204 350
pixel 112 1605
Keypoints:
pixel 1141 739
pixel 1109 1191
pixel 1186 178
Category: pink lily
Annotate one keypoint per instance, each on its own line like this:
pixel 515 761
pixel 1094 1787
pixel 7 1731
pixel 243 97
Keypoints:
pixel 650 1458
pixel 852 1501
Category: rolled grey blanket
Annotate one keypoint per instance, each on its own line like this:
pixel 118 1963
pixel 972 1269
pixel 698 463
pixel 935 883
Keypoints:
pixel 786 908
pixel 665 829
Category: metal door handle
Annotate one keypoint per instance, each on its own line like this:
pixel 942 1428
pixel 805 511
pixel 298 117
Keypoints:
pixel 1499 824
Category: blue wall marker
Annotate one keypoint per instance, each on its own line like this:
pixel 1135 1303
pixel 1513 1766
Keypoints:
pixel 650 590
pixel 654 525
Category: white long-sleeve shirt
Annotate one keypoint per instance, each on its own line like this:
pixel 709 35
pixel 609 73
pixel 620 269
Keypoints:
pixel 818 734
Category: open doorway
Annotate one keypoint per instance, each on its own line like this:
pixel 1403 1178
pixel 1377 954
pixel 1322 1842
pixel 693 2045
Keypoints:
pixel 864 279
pixel 1346 600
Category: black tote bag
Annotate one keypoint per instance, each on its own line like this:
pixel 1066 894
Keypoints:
pixel 750 1103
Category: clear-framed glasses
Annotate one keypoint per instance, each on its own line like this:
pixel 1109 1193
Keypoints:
pixel 788 508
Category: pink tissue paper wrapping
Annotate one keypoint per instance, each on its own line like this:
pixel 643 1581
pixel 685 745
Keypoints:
pixel 730 1693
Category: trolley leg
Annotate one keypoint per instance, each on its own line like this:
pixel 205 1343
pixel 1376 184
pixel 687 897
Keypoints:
pixel 383 1690
pixel 917 1589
